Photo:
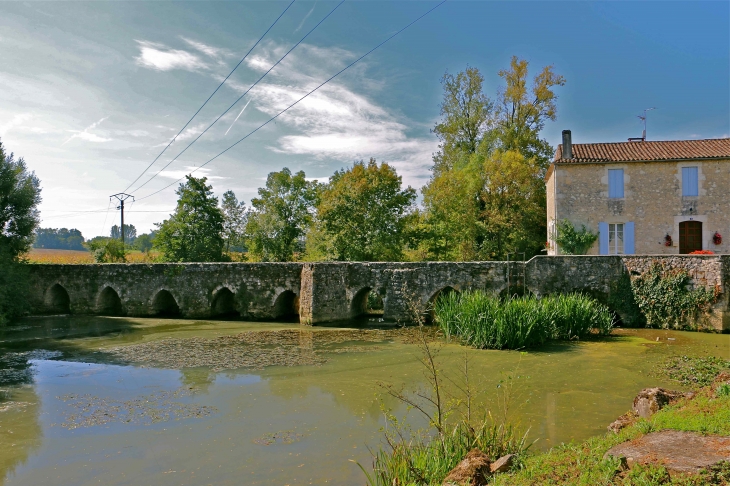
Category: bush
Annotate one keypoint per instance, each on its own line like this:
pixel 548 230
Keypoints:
pixel 107 250
pixel 486 321
pixel 572 241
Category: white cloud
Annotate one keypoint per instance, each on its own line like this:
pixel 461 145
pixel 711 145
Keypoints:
pixel 210 51
pixel 163 58
pixel 85 135
pixel 180 173
pixel 14 122
pixel 305 18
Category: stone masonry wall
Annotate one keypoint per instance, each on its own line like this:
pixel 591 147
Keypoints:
pixel 652 200
pixel 330 292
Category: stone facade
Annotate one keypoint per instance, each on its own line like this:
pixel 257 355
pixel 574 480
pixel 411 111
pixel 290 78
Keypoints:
pixel 652 200
pixel 330 292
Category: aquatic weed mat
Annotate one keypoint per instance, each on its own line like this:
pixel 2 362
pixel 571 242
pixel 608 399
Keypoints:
pixel 261 349
pixel 91 410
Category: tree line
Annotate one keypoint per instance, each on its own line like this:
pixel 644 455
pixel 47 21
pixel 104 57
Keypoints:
pixel 485 198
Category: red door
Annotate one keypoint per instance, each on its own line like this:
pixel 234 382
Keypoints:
pixel 690 236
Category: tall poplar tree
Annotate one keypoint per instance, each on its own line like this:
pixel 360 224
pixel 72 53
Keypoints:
pixel 473 210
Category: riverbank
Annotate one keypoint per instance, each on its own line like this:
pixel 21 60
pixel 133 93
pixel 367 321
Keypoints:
pixel 707 413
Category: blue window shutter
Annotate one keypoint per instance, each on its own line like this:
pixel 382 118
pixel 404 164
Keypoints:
pixel 629 247
pixel 690 182
pixel 615 183
pixel 603 238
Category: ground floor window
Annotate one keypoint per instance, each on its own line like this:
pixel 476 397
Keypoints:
pixel 616 239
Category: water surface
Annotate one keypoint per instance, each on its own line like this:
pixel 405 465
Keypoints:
pixel 75 409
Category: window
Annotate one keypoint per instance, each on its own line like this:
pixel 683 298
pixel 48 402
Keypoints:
pixel 616 239
pixel 690 185
pixel 615 183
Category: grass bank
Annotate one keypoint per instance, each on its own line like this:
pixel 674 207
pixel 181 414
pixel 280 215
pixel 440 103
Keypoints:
pixel 485 321
pixel 583 463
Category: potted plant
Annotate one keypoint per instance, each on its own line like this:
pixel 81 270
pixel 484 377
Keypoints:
pixel 668 240
pixel 717 238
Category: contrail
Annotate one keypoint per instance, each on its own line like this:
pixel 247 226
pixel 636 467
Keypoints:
pixel 239 115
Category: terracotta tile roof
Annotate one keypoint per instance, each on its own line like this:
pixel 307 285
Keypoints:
pixel 718 148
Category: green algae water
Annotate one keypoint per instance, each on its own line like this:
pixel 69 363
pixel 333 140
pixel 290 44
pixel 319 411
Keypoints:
pixel 169 402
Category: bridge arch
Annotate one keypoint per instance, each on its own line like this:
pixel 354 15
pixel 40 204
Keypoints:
pixel 366 301
pixel 164 304
pixel 286 305
pixel 224 304
pixel 57 300
pixel 108 302
pixel 431 303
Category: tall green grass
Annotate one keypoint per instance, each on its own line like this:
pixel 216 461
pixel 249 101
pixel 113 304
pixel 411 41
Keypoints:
pixel 428 460
pixel 483 320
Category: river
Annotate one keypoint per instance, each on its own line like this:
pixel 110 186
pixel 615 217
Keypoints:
pixel 113 401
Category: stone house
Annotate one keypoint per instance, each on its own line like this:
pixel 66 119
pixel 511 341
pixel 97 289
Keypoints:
pixel 664 197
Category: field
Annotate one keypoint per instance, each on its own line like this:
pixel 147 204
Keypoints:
pixel 42 255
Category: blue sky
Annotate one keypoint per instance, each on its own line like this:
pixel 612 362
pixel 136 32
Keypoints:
pixel 90 93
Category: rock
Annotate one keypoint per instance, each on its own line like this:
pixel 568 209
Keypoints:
pixel 472 470
pixel 651 400
pixel 622 422
pixel 679 452
pixel 503 464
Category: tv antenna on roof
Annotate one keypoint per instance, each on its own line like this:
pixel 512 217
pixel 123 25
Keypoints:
pixel 643 133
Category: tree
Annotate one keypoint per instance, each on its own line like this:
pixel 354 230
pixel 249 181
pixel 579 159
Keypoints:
pixel 130 233
pixel 234 219
pixel 486 196
pixel 145 242
pixel 20 194
pixel 465 112
pixel 363 211
pixel 281 216
pixel 193 233
pixel 521 113
pixel 61 239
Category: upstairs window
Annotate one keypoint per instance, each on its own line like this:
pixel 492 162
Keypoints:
pixel 615 183
pixel 690 184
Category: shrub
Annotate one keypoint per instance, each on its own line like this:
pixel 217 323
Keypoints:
pixel 572 241
pixel 485 321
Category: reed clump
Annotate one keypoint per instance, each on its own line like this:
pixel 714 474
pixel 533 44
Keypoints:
pixel 485 321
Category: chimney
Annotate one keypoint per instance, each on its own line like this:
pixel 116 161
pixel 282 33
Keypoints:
pixel 567 145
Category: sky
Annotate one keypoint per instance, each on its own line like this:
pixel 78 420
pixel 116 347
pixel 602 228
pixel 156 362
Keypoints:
pixel 91 93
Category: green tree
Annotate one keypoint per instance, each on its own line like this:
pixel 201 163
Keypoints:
pixel 20 194
pixel 363 211
pixel 193 233
pixel 282 213
pixel 466 112
pixel 234 219
pixel 130 233
pixel 145 242
pixel 473 207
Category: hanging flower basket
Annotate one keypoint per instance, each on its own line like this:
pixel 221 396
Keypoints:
pixel 717 238
pixel 668 240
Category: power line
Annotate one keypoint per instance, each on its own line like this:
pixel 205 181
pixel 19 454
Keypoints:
pixel 240 97
pixel 296 102
pixel 209 97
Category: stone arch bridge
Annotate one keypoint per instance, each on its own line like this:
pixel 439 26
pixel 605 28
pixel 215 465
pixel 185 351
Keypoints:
pixel 330 292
